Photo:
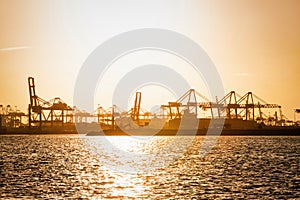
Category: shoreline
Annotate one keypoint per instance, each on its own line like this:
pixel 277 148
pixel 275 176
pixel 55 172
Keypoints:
pixel 292 131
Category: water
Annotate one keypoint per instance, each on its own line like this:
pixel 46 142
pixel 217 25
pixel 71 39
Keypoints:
pixel 238 167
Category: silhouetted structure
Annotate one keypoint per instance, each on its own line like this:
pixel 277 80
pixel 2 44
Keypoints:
pixel 11 118
pixel 47 113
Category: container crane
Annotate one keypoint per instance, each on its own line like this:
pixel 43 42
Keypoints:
pixel 47 113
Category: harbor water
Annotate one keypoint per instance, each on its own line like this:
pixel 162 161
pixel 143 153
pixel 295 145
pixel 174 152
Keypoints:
pixel 61 166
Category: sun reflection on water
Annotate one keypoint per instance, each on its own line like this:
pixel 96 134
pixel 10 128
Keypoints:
pixel 137 154
pixel 128 185
pixel 131 144
pixel 57 167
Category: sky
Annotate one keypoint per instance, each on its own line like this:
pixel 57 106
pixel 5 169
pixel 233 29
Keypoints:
pixel 254 44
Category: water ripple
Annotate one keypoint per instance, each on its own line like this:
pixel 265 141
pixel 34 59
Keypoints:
pixel 58 167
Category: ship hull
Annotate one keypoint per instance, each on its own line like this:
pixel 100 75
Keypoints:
pixel 282 131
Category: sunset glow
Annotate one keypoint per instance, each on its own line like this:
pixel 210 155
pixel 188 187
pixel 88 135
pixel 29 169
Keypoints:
pixel 254 44
pixel 149 99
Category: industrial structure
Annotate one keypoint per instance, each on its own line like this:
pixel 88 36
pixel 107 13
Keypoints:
pixel 44 113
pixel 232 106
pixel 11 118
pixel 246 111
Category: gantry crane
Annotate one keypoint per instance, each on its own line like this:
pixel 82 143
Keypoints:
pixel 11 118
pixel 135 112
pixel 186 103
pixel 244 107
pixel 47 113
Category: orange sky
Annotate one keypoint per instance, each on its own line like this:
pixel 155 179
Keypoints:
pixel 254 44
